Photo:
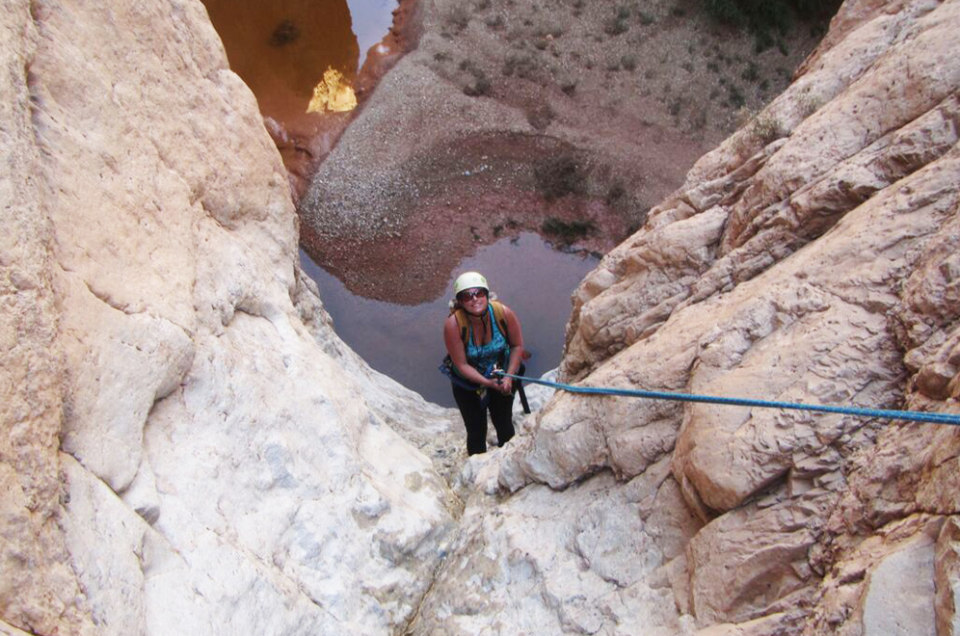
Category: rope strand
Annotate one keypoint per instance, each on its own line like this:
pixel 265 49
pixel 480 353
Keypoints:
pixel 914 416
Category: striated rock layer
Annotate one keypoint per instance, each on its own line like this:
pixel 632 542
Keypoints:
pixel 812 257
pixel 187 447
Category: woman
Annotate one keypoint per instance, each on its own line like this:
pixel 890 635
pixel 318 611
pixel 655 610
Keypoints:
pixel 482 335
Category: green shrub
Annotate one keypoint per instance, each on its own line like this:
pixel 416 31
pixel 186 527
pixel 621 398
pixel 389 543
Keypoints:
pixel 567 232
pixel 615 193
pixel 523 65
pixel 615 26
pixel 735 97
pixel 558 176
pixel 480 84
pixel 458 19
pixel 764 16
pixel 494 22
pixel 675 105
pixel 766 128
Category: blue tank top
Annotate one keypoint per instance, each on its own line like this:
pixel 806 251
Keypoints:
pixel 484 357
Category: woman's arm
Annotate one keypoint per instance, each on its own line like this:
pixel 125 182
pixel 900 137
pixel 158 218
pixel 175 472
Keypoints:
pixel 451 338
pixel 515 333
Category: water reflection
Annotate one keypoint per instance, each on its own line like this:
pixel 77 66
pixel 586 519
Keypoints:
pixel 406 343
pixel 282 48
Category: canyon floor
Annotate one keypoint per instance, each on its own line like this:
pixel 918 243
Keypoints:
pixel 566 118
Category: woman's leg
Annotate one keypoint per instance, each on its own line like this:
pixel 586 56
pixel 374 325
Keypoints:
pixel 501 412
pixel 474 419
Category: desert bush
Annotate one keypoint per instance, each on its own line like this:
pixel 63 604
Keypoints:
pixel 761 16
pixel 807 104
pixel 766 128
pixel 566 231
pixel 522 65
pixel 615 26
pixel 735 97
pixel 675 105
pixel 480 84
pixel 770 20
pixel 567 84
pixel 494 22
pixel 540 116
pixel 458 19
pixel 618 24
pixel 559 176
pixel 698 120
pixel 615 193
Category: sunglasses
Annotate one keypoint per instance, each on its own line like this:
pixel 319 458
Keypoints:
pixel 470 294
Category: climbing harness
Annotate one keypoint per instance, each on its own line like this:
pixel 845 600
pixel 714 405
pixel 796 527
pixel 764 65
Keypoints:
pixel 915 416
pixel 447 369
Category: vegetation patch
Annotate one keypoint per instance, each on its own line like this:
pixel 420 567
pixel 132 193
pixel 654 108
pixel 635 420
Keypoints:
pixel 480 84
pixel 770 20
pixel 524 66
pixel 615 193
pixel 618 24
pixel 766 128
pixel 457 20
pixel 559 176
pixel 567 232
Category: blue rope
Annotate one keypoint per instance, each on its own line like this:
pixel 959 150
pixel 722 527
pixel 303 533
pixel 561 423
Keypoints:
pixel 915 416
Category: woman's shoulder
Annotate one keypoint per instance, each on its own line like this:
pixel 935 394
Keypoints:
pixel 503 306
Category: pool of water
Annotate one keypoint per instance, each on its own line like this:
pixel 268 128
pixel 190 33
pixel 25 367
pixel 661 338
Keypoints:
pixel 406 342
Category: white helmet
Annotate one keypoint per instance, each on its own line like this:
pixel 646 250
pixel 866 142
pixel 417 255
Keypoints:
pixel 469 280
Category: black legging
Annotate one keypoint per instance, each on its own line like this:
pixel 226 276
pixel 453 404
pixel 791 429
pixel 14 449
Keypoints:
pixel 475 417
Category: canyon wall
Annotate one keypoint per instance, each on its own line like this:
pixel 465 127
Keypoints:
pixel 812 257
pixel 187 447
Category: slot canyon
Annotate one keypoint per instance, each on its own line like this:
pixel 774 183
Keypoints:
pixel 194 442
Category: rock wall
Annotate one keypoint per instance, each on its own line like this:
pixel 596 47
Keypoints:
pixel 187 447
pixel 810 258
